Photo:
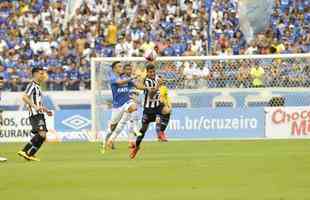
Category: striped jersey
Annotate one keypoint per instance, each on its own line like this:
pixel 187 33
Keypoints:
pixel 33 90
pixel 151 101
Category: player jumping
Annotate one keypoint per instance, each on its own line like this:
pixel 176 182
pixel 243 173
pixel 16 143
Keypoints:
pixel 154 109
pixel 123 105
pixel 33 100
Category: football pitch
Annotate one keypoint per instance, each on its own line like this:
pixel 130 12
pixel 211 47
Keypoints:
pixel 192 170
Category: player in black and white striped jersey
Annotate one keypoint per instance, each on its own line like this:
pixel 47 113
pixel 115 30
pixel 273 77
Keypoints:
pixel 151 98
pixel 153 109
pixel 33 100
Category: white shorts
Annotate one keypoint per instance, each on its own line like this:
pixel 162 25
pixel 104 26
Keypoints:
pixel 117 113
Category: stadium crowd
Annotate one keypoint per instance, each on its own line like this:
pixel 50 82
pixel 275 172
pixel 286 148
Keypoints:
pixel 36 33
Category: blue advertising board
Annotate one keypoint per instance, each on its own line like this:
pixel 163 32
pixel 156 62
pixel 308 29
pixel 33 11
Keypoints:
pixel 186 123
pixel 208 123
pixel 72 120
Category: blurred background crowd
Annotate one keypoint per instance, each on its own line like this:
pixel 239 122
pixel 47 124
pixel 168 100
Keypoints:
pixel 36 33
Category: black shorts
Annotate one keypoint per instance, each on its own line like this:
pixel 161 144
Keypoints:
pixel 38 123
pixel 150 114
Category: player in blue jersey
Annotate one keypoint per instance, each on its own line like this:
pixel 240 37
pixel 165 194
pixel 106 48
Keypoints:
pixel 123 105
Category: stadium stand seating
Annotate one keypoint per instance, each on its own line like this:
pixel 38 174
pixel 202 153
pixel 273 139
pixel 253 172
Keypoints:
pixel 33 33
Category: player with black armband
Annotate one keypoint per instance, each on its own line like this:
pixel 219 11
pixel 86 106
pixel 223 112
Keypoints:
pixel 33 100
pixel 154 110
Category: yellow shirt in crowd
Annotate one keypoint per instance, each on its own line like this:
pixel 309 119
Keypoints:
pixel 112 34
pixel 257 75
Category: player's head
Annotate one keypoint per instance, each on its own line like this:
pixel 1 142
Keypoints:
pixel 117 67
pixel 38 74
pixel 150 71
pixel 128 70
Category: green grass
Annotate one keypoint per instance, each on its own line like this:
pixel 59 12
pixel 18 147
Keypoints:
pixel 206 170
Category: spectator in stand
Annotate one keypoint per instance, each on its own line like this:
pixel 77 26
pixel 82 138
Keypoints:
pixel 56 79
pixel 5 77
pixel 275 79
pixel 216 75
pixel 168 51
pixel 244 79
pixel 191 75
pixel 257 74
pixel 147 45
pixel 85 74
pixel 35 34
pixel 24 74
pixel 203 73
pixel 111 34
pixel 72 77
pixel 14 80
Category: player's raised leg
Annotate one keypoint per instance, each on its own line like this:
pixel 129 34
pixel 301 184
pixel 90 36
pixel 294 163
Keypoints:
pixel 115 118
pixel 132 107
pixel 133 129
pixel 146 120
pixel 111 128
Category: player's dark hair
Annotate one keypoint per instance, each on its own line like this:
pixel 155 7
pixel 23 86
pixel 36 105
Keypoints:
pixel 150 67
pixel 114 64
pixel 35 70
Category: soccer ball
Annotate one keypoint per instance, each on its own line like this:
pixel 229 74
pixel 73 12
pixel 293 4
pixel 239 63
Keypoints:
pixel 150 55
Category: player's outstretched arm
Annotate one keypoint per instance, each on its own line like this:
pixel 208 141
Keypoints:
pixel 124 81
pixel 139 85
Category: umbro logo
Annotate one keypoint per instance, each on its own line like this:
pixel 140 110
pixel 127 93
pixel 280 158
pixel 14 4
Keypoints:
pixel 76 122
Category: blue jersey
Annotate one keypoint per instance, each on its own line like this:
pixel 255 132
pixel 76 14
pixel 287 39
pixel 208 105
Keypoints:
pixel 120 93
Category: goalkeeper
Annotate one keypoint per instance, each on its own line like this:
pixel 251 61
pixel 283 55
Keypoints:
pixel 161 125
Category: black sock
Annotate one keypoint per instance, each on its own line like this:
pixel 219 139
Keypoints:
pixel 158 127
pixel 142 131
pixel 29 144
pixel 37 142
pixel 164 122
pixel 139 139
pixel 107 137
pixel 145 125
pixel 27 147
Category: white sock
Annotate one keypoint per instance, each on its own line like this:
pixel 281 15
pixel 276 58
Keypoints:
pixel 108 135
pixel 135 121
pixel 133 126
pixel 120 126
pixel 131 136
